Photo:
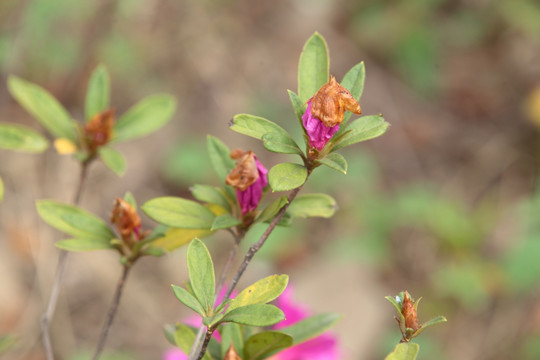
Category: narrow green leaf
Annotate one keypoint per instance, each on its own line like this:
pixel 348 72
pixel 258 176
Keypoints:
pixel 145 117
pixel 128 196
pixel 312 205
pixel 179 213
pixel 187 299
pixel 225 221
pixel 184 337
pixel 271 210
pixel 438 320
pixel 354 82
pixel 113 159
pixel 310 327
pixel 154 251
pixel 98 92
pixel 286 176
pixel 201 274
pixel 255 315
pixel 256 126
pixel 298 107
pixel 44 107
pixel 231 334
pixel 394 302
pixel 220 158
pixel 261 292
pixel 21 138
pixel 211 194
pixel 313 67
pixel 84 244
pixel 73 220
pixel 176 238
pixel 335 161
pixel 363 128
pixel 264 344
pixel 280 143
pixel 404 351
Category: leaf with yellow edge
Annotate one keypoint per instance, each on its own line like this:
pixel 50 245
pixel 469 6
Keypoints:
pixel 65 146
pixel 175 238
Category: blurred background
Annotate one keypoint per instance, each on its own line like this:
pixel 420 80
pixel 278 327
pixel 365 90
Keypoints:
pixel 444 204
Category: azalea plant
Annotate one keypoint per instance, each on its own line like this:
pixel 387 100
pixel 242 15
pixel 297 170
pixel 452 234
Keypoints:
pixel 261 321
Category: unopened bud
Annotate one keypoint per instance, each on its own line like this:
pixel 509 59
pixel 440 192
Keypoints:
pixel 408 310
pixel 126 219
pixel 245 173
pixel 99 129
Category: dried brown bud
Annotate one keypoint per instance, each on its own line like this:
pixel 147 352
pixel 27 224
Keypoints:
pixel 408 310
pixel 245 173
pixel 99 129
pixel 331 101
pixel 125 218
pixel 232 354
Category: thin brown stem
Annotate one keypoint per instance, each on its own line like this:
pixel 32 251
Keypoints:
pixel 59 277
pixel 251 253
pixel 205 343
pixel 112 312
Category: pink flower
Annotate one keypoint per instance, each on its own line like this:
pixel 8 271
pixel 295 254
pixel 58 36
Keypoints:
pixel 318 133
pixel 249 178
pixel 322 347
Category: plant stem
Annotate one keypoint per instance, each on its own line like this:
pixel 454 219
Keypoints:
pixel 251 253
pixel 205 343
pixel 112 312
pixel 59 277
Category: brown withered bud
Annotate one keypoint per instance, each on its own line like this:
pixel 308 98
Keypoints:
pixel 245 173
pixel 126 219
pixel 98 130
pixel 331 101
pixel 408 310
pixel 232 354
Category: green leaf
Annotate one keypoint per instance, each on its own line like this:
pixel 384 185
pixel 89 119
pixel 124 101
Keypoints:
pixel 280 143
pixel 363 128
pixel 179 213
pixel 130 199
pixel 256 126
pixel 287 176
pixel 335 161
pixel 220 158
pixel 187 299
pixel 271 210
pixel 438 320
pixel 73 220
pixel 98 92
pixel 264 344
pixel 354 82
pixel 1 190
pixel 184 337
pixel 175 238
pixel 313 67
pixel 231 334
pixel 113 159
pixel 404 351
pixel 21 138
pixel 394 302
pixel 211 194
pixel 201 274
pixel 312 205
pixel 44 107
pixel 225 221
pixel 261 292
pixel 154 251
pixel 145 117
pixel 310 327
pixel 298 107
pixel 255 315
pixel 84 244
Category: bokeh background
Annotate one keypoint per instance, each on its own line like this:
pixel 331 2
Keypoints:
pixel 444 205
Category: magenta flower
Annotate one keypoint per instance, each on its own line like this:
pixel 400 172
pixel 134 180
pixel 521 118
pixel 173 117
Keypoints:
pixel 326 110
pixel 249 178
pixel 323 347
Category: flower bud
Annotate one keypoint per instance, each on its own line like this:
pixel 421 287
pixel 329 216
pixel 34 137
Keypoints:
pixel 232 354
pixel 249 178
pixel 408 310
pixel 98 131
pixel 126 219
pixel 325 112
